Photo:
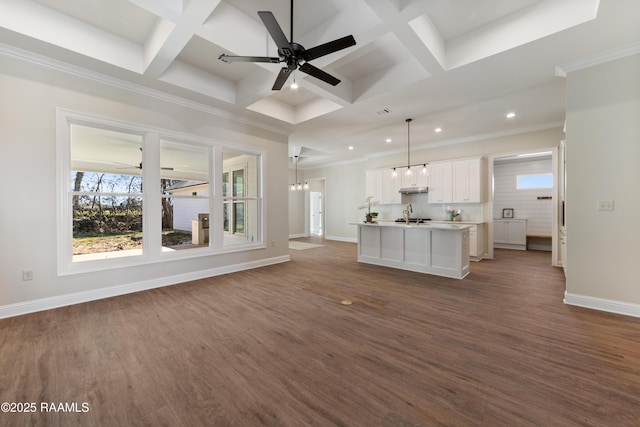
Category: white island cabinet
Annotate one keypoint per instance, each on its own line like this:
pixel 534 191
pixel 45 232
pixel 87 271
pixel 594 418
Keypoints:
pixel 438 249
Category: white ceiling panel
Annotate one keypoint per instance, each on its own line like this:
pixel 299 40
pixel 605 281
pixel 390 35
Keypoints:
pixel 458 64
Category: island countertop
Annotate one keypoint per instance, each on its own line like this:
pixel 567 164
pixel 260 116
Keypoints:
pixel 428 224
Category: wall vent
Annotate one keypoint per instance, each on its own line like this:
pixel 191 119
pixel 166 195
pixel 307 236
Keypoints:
pixel 384 111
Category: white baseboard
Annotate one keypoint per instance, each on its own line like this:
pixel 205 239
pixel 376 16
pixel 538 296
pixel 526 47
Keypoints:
pixel 42 304
pixel 602 304
pixel 342 239
pixel 297 236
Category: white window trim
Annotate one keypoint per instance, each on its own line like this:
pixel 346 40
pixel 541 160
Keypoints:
pixel 152 249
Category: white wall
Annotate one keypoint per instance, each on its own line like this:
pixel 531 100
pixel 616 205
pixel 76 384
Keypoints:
pixel 187 210
pixel 603 163
pixel 30 95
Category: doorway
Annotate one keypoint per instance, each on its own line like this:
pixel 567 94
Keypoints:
pixel 315 208
pixel 315 212
pixel 524 186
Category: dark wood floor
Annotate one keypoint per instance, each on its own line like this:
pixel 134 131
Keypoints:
pixel 274 346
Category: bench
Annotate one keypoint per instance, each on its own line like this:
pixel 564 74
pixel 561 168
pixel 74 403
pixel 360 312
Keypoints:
pixel 538 242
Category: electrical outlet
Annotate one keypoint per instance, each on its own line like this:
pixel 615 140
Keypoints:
pixel 605 205
pixel 27 275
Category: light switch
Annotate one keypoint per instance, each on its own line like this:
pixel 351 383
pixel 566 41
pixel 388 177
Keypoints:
pixel 605 205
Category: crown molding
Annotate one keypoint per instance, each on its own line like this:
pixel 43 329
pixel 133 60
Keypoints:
pixel 138 89
pixel 596 59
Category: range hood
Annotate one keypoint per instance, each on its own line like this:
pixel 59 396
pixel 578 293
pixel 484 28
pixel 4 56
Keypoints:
pixel 414 190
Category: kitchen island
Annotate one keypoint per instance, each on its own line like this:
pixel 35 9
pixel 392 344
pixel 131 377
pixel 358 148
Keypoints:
pixel 438 249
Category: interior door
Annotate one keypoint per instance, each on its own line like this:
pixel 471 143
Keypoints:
pixel 316 212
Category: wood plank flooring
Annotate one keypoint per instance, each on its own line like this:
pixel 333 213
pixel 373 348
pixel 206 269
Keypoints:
pixel 273 346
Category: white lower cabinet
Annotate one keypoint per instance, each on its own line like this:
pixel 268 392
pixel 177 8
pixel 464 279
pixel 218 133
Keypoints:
pixel 510 234
pixel 476 242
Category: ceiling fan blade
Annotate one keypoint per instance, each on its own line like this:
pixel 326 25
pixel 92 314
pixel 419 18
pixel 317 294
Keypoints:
pixel 318 74
pixel 276 32
pixel 230 58
pixel 327 48
pixel 126 165
pixel 167 169
pixel 283 75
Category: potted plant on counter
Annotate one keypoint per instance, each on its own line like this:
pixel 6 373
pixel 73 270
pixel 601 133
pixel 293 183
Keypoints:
pixel 368 203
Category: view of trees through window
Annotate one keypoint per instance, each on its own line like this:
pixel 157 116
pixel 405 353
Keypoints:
pixel 104 217
pixel 106 184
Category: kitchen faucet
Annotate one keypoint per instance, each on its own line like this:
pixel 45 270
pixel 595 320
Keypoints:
pixel 407 213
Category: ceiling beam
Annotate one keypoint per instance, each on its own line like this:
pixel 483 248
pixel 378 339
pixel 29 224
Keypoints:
pixel 398 22
pixel 168 39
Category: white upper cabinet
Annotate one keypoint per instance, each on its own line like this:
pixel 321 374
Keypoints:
pixel 450 181
pixel 391 187
pixel 416 179
pixel 467 181
pixel 440 182
pixel 373 185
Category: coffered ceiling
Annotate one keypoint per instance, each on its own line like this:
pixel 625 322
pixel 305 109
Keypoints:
pixel 460 65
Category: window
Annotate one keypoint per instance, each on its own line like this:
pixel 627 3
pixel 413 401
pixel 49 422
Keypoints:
pixel 240 194
pixel 184 184
pixel 532 181
pixel 131 195
pixel 106 193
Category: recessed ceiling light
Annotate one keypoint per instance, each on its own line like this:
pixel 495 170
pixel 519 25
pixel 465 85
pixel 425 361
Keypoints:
pixel 437 130
pixel 351 147
pixel 387 140
pixel 511 115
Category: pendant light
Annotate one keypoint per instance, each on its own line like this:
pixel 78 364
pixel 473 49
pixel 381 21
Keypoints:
pixel 409 173
pixel 297 185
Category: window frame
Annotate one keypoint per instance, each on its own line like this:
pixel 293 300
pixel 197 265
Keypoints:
pixel 151 195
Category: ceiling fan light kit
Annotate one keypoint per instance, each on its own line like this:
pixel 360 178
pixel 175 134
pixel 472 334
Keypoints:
pixel 293 54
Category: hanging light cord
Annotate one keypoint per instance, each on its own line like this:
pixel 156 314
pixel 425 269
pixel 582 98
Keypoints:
pixel 408 143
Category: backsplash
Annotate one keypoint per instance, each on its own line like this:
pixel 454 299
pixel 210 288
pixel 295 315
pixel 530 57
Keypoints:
pixel 422 209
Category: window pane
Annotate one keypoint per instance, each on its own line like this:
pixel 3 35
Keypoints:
pixel 107 225
pixel 104 151
pixel 544 180
pixel 238 183
pixel 245 220
pixel 238 217
pixel 225 184
pixel 227 208
pixel 241 198
pixel 184 182
pixel 106 193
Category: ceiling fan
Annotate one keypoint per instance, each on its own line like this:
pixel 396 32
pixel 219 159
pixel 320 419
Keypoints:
pixel 293 53
pixel 138 166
